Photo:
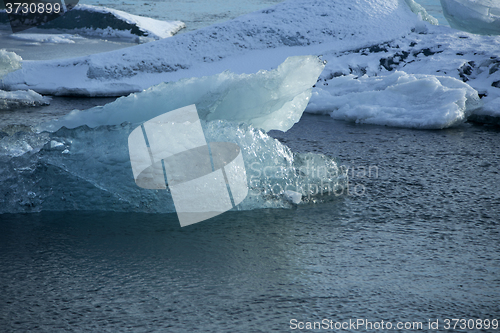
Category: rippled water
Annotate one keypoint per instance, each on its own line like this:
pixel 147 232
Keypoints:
pixel 420 243
pixel 416 239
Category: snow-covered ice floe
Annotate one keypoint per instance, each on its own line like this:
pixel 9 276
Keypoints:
pixel 15 99
pixel 489 113
pixel 106 22
pixel 398 99
pixel 86 168
pixel 9 62
pixel 431 51
pixel 475 16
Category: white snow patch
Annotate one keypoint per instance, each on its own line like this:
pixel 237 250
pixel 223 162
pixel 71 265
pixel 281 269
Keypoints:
pixel 10 62
pixel 421 12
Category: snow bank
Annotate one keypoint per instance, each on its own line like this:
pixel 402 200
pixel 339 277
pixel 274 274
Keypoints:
pixel 475 16
pixel 260 40
pixel 399 99
pixel 268 99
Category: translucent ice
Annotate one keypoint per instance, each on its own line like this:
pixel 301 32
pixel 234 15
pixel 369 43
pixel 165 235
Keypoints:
pixel 398 99
pixel 476 16
pixel 82 168
pixel 421 12
pixel 20 98
pixel 89 169
pixel 268 99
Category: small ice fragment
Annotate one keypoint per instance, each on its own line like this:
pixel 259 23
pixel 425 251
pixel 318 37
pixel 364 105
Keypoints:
pixel 15 99
pixel 292 196
pixel 107 22
pixel 55 144
pixel 421 12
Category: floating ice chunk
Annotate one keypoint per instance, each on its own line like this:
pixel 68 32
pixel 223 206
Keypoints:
pixel 269 100
pixel 9 62
pixel 421 12
pixel 489 113
pixel 491 108
pixel 16 99
pixel 94 171
pixel 292 196
pixel 475 16
pixel 399 99
pixel 46 38
pixel 107 22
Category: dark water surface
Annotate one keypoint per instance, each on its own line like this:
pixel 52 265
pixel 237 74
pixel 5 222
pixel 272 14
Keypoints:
pixel 420 242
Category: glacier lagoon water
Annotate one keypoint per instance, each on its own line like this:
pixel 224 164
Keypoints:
pixel 421 242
